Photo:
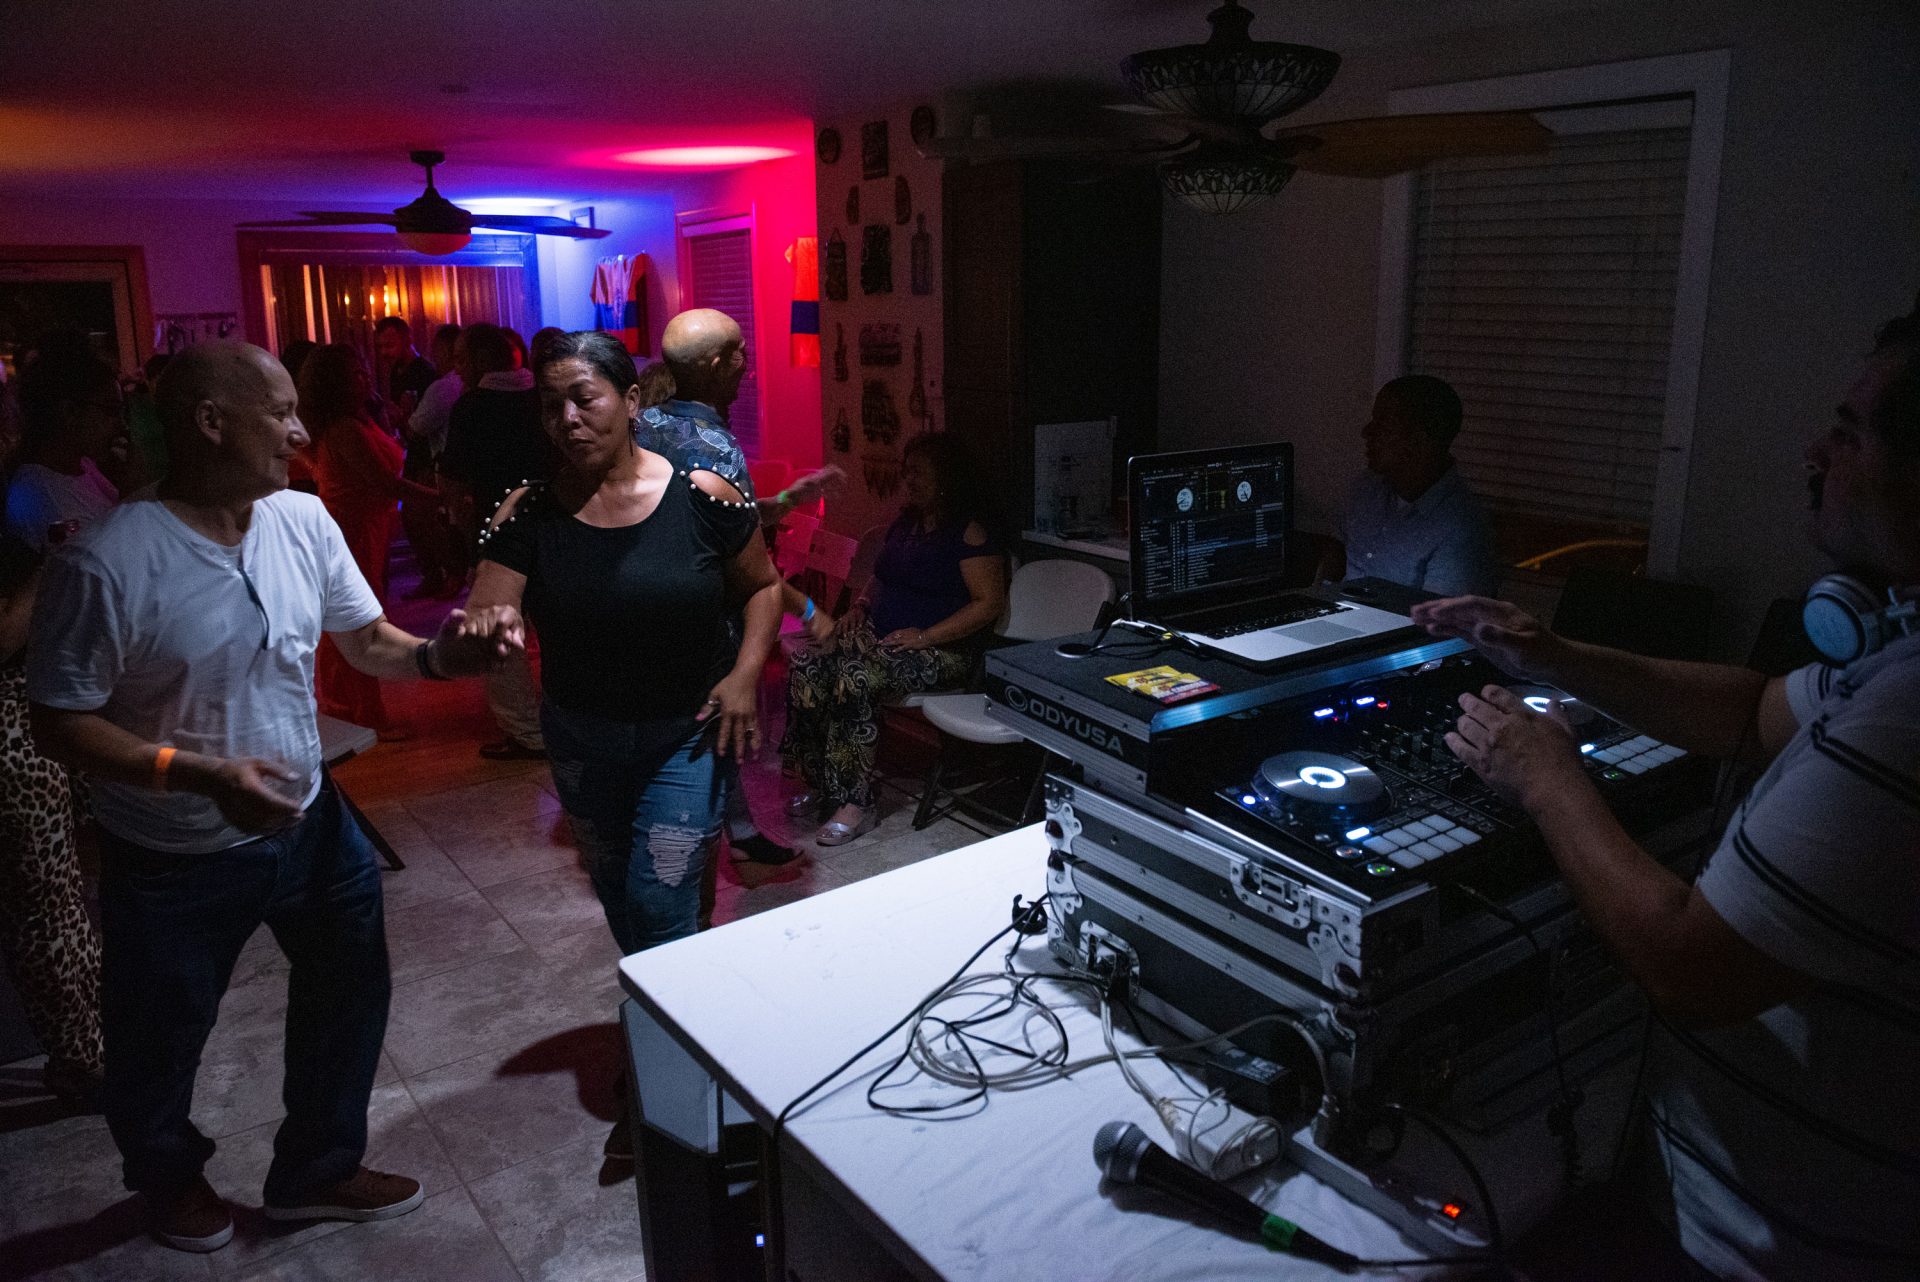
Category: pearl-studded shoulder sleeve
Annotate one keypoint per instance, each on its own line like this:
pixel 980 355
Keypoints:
pixel 724 517
pixel 507 537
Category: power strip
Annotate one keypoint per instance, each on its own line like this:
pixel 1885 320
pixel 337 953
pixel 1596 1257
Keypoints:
pixel 1218 1139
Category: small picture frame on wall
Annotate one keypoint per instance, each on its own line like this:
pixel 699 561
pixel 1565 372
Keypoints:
pixel 582 217
pixel 921 125
pixel 873 149
pixel 826 147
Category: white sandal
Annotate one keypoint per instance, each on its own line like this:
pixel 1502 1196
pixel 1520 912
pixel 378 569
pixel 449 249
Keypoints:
pixel 838 834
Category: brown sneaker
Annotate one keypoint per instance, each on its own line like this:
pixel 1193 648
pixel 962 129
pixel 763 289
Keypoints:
pixel 193 1219
pixel 364 1195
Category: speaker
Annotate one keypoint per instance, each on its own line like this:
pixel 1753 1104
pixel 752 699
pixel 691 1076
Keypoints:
pixel 1846 620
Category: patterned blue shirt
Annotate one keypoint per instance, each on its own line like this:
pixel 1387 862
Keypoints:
pixel 693 436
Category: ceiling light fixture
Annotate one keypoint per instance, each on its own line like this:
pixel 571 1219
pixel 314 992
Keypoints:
pixel 1232 76
pixel 1216 182
pixel 701 157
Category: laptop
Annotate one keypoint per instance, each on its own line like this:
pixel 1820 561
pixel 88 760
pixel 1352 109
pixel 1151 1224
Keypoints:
pixel 1209 546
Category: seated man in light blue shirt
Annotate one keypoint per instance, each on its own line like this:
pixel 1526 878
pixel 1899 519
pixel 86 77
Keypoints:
pixel 1410 517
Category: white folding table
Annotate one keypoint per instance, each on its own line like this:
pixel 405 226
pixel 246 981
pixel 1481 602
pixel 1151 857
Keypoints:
pixel 733 1024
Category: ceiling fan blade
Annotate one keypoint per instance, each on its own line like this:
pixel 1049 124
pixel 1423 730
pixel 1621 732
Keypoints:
pixel 539 225
pixel 1381 146
pixel 324 220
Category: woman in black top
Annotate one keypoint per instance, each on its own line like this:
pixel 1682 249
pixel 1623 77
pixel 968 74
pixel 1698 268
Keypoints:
pixel 631 571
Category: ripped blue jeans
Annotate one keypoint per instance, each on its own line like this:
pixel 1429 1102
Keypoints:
pixel 645 800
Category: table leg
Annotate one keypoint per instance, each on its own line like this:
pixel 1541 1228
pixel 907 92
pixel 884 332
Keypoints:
pixel 692 1218
pixel 373 834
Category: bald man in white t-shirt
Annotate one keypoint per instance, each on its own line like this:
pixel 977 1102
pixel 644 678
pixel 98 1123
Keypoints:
pixel 171 661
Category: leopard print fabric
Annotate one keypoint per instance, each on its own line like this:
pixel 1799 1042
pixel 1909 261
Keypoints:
pixel 48 939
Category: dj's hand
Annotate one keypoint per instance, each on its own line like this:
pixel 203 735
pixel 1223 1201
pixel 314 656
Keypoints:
pixel 1525 756
pixel 1517 642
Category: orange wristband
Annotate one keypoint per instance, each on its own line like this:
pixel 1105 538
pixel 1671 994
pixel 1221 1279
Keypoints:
pixel 161 760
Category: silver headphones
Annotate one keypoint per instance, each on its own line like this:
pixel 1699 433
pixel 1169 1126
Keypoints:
pixel 1846 620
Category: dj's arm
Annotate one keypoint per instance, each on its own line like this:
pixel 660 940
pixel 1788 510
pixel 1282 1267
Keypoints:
pixel 1714 709
pixel 1696 969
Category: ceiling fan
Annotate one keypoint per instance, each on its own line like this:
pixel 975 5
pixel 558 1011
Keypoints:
pixel 1224 97
pixel 432 224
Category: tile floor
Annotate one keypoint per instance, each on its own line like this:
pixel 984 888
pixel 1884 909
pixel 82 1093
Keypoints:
pixel 496 1088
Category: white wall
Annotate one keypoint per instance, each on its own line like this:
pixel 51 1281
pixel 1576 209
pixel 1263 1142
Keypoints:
pixel 638 226
pixel 193 264
pixel 1269 315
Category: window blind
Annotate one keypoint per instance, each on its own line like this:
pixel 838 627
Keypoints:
pixel 722 266
pixel 1543 290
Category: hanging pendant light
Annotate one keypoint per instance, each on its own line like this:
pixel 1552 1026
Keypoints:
pixel 430 223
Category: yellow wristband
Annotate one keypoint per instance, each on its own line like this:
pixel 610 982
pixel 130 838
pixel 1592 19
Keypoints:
pixel 161 760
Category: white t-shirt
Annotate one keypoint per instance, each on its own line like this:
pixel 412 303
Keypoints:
pixel 187 643
pixel 434 413
pixel 39 496
pixel 1792 1139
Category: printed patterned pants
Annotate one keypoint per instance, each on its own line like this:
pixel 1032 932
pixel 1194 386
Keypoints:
pixel 48 940
pixel 833 707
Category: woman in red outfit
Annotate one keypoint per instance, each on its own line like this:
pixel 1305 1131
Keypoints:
pixel 356 464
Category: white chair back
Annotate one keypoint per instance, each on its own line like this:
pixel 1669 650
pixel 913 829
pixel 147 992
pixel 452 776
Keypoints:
pixel 1055 598
pixel 829 562
pixel 794 543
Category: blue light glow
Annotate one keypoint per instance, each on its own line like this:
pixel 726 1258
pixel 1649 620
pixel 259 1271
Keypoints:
pixel 1355 834
pixel 1363 701
pixel 1588 747
pixel 1323 712
pixel 1248 799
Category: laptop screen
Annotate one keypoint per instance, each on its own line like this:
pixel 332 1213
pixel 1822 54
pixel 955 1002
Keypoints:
pixel 1209 526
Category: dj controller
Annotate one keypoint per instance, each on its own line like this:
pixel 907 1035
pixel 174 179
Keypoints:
pixel 1303 841
pixel 1369 790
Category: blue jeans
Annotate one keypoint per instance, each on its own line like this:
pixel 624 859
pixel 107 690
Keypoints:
pixel 645 800
pixel 172 927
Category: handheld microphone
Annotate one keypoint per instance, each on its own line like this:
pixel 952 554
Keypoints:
pixel 1126 1156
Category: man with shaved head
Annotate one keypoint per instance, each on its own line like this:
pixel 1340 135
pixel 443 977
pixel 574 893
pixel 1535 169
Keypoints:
pixel 707 356
pixel 172 662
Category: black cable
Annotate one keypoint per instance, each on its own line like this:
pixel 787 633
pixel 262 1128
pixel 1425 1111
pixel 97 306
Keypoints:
pixel 1560 1121
pixel 776 1217
pixel 1719 815
pixel 1496 1240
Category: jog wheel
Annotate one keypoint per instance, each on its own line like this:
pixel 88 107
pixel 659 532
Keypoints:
pixel 1578 712
pixel 1313 786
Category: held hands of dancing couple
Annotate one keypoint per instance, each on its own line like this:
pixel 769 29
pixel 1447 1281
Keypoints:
pixel 1528 757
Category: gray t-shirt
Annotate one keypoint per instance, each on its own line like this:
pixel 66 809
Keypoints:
pixel 1792 1139
pixel 187 643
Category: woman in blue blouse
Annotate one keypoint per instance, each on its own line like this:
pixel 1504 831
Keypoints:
pixel 940 583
